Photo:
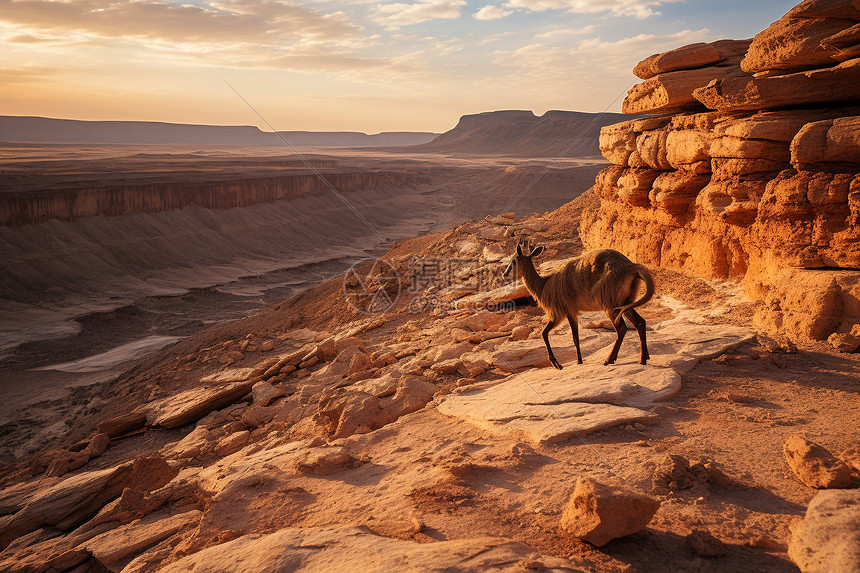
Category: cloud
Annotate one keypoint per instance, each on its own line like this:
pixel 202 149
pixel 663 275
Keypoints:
pixel 565 33
pixel 592 69
pixel 638 8
pixel 228 21
pixel 399 14
pixel 491 13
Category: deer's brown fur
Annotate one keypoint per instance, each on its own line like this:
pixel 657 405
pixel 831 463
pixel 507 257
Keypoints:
pixel 598 280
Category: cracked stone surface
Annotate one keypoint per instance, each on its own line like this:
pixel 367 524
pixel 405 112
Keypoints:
pixel 545 405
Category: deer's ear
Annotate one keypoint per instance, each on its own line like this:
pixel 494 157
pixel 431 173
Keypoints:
pixel 520 249
pixel 537 251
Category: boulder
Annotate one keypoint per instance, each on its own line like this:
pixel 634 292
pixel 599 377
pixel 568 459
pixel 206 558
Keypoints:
pixel 113 547
pixel 599 513
pixel 673 92
pixel 674 191
pixel 692 56
pixel 67 503
pixel 814 465
pixel 124 423
pixel 792 44
pixel 828 538
pixel 828 142
pixel 820 86
pixel 350 412
pixel 617 142
pixel 185 407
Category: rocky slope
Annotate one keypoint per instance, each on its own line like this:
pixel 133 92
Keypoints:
pixel 749 167
pixel 352 424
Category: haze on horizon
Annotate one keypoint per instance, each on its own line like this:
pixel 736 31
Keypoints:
pixel 360 65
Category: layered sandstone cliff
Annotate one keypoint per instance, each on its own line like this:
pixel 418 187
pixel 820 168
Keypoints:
pixel 750 167
pixel 74 202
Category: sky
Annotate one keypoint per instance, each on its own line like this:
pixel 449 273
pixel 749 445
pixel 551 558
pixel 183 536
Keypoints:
pixel 353 65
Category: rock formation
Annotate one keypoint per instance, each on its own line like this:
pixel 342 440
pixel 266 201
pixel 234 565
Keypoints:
pixel 749 168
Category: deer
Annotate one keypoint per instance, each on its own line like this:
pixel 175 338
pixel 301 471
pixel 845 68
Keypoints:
pixel 597 280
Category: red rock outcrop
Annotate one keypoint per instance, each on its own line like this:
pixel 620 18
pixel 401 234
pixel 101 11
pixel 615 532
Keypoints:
pixel 757 173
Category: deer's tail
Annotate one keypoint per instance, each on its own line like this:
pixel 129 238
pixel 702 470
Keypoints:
pixel 643 275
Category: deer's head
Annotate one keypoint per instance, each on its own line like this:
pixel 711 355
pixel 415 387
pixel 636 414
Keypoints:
pixel 522 256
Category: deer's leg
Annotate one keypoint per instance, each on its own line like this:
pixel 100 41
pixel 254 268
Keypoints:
pixel 620 330
pixel 574 330
pixel 553 322
pixel 639 322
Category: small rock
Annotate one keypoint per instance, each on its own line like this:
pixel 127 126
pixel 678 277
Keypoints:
pixel 521 332
pixel 360 362
pixel 639 426
pixel 65 462
pixel 814 465
pixel 599 513
pixel 235 355
pixel 309 362
pixel 266 367
pixel 465 382
pixel 738 398
pixel 676 473
pixel 263 393
pixel 233 443
pixel 267 346
pixel 325 461
pixel 704 544
pixel 97 446
pixel 846 341
pixel 851 457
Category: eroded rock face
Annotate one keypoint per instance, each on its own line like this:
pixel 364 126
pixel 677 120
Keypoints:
pixel 757 173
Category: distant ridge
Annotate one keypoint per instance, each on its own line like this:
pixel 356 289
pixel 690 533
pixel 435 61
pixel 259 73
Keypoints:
pixel 26 129
pixel 521 132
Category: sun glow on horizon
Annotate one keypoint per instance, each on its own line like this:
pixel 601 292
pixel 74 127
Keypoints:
pixel 326 65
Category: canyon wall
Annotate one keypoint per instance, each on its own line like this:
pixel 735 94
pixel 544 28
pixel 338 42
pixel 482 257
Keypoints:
pixel 748 167
pixel 31 207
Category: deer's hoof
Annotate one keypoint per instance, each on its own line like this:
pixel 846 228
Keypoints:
pixel 556 364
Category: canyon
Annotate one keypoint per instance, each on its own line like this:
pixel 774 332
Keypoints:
pixel 298 379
